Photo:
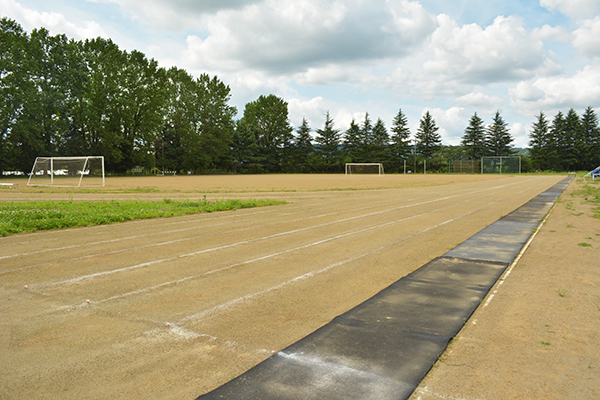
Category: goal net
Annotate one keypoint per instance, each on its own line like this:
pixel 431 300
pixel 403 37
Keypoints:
pixel 87 171
pixel 364 168
pixel 501 165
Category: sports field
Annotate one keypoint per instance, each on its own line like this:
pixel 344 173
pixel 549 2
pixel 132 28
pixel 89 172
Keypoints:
pixel 180 306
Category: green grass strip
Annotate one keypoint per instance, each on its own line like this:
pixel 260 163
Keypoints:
pixel 20 217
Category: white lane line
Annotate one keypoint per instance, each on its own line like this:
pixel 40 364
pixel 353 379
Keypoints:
pixel 164 284
pixel 172 231
pixel 310 274
pixel 192 228
pixel 280 234
pixel 141 265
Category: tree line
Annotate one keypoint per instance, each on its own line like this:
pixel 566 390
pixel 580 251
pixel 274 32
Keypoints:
pixel 61 97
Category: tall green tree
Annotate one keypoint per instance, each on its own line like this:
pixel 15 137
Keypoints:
pixel 428 140
pixel 556 142
pixel 538 142
pixel 573 144
pixel 103 113
pixel 498 137
pixel 380 143
pixel 14 84
pixel 400 147
pixel 352 142
pixel 474 138
pixel 591 134
pixel 303 148
pixel 267 117
pixel 328 146
pixel 245 150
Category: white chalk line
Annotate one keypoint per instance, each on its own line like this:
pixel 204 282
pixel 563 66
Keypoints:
pixel 164 284
pixel 102 254
pixel 317 272
pixel 173 231
pixel 133 237
pixel 146 264
pixel 313 273
pixel 280 234
pixel 168 242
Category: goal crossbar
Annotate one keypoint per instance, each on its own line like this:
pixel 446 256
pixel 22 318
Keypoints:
pixel 364 168
pixel 84 171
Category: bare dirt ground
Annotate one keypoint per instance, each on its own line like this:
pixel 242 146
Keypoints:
pixel 180 306
pixel 538 337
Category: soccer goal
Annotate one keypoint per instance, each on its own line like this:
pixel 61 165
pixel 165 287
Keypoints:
pixel 86 171
pixel 364 168
pixel 501 165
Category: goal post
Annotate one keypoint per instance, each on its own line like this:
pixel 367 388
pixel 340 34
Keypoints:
pixel 85 171
pixel 364 168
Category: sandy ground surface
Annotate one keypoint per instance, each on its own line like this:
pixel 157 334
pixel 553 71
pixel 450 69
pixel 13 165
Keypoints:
pixel 539 336
pixel 180 306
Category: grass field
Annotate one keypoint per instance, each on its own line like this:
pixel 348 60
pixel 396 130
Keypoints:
pixel 174 307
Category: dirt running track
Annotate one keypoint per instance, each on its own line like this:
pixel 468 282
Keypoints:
pixel 180 306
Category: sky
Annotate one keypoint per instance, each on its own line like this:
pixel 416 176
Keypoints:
pixel 449 57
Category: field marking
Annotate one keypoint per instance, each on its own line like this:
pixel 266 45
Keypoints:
pixel 164 284
pixel 172 241
pixel 181 230
pixel 153 262
pixel 317 272
pixel 280 234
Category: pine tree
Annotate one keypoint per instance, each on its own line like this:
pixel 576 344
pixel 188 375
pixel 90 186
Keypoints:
pixel 352 142
pixel 381 141
pixel 574 145
pixel 555 142
pixel 428 141
pixel 303 148
pixel 474 138
pixel 328 142
pixel 539 138
pixel 498 137
pixel 400 147
pixel 591 134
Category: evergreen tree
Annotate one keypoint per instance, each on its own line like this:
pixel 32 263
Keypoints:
pixel 498 137
pixel 428 141
pixel 474 138
pixel 328 142
pixel 555 145
pixel 573 143
pixel 381 141
pixel 400 147
pixel 245 151
pixel 365 151
pixel 352 142
pixel 591 134
pixel 303 148
pixel 538 140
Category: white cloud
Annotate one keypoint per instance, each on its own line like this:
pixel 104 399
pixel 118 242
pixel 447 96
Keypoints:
pixel 56 23
pixel 552 93
pixel 480 101
pixel 587 37
pixel 579 9
pixel 557 33
pixel 294 36
pixel 519 134
pixel 467 55
pixel 451 123
pixel 312 110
